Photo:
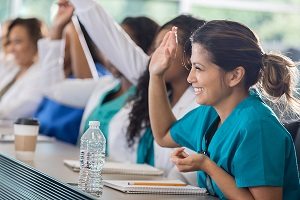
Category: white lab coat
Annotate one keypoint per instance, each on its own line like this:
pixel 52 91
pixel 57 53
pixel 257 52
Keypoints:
pixel 118 128
pixel 114 43
pixel 6 60
pixel 8 69
pixel 24 96
pixel 112 40
pixel 74 92
pixel 103 85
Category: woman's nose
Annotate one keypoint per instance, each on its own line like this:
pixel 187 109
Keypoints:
pixel 191 76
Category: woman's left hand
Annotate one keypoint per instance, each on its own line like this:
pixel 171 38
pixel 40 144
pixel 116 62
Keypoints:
pixel 187 163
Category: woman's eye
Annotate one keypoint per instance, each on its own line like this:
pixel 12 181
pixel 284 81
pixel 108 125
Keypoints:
pixel 15 41
pixel 198 68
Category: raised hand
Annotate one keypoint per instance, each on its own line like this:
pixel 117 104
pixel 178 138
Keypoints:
pixel 162 57
pixel 187 163
pixel 62 18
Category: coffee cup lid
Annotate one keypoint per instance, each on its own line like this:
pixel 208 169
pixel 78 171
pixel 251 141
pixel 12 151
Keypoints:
pixel 27 121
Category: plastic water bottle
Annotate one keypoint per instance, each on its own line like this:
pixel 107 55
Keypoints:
pixel 92 158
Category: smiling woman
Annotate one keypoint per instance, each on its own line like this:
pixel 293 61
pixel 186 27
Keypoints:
pixel 23 35
pixel 23 87
pixel 240 156
pixel 206 78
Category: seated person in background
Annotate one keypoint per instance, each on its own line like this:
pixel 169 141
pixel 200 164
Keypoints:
pixel 54 114
pixel 108 97
pixel 244 152
pixel 37 69
pixel 62 107
pixel 130 133
pixel 135 27
pixel 110 39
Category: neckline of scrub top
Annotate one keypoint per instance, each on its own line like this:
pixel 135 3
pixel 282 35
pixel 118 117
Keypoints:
pixel 253 94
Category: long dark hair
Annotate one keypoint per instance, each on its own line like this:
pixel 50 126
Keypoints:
pixel 91 45
pixel 139 115
pixel 143 29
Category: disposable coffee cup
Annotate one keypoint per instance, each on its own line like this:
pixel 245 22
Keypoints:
pixel 26 131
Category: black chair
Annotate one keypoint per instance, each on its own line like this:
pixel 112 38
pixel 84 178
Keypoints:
pixel 297 146
pixel 294 128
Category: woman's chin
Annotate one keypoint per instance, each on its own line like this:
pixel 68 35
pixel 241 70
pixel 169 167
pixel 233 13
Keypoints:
pixel 202 101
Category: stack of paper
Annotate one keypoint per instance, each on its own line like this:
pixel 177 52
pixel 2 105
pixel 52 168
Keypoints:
pixel 120 168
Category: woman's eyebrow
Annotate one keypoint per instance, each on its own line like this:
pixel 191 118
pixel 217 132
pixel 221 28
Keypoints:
pixel 198 63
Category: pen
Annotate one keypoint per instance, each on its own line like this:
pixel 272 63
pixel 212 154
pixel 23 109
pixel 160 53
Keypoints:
pixel 156 183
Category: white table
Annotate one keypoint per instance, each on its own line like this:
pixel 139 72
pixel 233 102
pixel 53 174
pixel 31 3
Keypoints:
pixel 49 159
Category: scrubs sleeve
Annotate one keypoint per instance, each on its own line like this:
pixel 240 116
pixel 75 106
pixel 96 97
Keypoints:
pixel 187 131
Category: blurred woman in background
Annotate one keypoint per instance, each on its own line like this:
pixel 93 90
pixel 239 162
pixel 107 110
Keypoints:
pixel 23 91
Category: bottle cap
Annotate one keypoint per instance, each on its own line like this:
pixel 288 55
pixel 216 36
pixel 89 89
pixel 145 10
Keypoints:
pixel 94 123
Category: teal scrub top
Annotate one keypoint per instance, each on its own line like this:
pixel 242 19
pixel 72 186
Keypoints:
pixel 251 145
pixel 104 112
pixel 145 149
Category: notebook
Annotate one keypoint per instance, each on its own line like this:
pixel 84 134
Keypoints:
pixel 154 187
pixel 121 168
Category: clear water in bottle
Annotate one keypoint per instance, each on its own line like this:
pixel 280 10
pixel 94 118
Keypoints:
pixel 92 158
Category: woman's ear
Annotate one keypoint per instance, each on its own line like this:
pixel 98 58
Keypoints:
pixel 235 76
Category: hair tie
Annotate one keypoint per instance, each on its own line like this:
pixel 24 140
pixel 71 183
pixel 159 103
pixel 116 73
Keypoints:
pixel 264 60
